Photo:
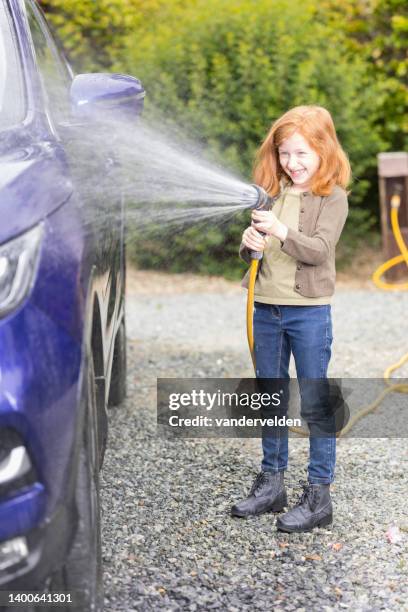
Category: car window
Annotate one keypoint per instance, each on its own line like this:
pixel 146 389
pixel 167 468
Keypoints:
pixel 54 74
pixel 12 92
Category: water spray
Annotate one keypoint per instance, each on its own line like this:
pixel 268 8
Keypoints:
pixel 165 184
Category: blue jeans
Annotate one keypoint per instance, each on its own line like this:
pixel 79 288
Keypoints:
pixel 305 331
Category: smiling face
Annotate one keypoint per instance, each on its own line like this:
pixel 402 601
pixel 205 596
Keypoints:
pixel 298 160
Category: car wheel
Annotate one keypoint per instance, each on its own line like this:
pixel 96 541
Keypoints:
pixel 82 572
pixel 117 390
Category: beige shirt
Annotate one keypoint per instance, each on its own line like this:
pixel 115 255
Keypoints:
pixel 276 278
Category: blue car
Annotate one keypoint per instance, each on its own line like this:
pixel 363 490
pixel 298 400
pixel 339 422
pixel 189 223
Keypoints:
pixel 62 305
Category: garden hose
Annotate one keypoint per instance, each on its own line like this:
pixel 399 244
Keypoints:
pixel 253 271
pixel 376 277
pixel 263 202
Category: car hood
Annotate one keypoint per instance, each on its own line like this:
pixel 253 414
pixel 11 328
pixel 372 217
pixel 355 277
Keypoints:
pixel 34 181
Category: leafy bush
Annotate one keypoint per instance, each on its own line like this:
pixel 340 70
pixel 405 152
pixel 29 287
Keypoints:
pixel 94 33
pixel 227 70
pixel 377 31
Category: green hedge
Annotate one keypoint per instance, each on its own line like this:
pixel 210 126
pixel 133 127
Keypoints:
pixel 226 72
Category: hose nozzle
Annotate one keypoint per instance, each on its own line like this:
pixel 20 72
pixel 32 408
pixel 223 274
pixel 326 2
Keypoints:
pixel 263 199
pixel 263 202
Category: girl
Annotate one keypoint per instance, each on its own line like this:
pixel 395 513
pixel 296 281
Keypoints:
pixel 302 163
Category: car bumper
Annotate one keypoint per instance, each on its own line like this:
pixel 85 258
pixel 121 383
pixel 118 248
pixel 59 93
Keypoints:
pixel 47 548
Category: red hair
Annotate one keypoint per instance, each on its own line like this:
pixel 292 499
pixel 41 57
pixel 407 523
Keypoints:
pixel 316 125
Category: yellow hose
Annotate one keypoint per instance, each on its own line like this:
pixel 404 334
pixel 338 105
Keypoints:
pixel 253 271
pixel 376 277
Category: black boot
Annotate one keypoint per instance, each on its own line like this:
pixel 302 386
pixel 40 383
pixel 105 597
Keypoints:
pixel 268 493
pixel 314 509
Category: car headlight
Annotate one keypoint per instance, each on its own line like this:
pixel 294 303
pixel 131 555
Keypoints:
pixel 18 266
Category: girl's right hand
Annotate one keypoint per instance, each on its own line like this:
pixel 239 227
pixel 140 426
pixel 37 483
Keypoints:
pixel 253 240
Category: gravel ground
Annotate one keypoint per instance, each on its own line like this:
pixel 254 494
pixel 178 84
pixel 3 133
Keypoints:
pixel 169 542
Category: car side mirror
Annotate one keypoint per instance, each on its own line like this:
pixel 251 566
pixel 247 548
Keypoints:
pixel 100 96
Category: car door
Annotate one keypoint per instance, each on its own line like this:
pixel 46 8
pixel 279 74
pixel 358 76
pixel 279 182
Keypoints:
pixel 88 148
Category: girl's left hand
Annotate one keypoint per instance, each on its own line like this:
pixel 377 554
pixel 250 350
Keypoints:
pixel 265 221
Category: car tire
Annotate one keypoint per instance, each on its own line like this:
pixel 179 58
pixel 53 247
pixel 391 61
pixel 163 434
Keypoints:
pixel 82 572
pixel 117 390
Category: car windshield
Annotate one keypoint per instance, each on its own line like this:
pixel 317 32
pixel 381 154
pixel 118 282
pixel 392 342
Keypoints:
pixel 12 97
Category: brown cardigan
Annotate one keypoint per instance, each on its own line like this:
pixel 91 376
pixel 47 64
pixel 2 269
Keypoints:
pixel 321 221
